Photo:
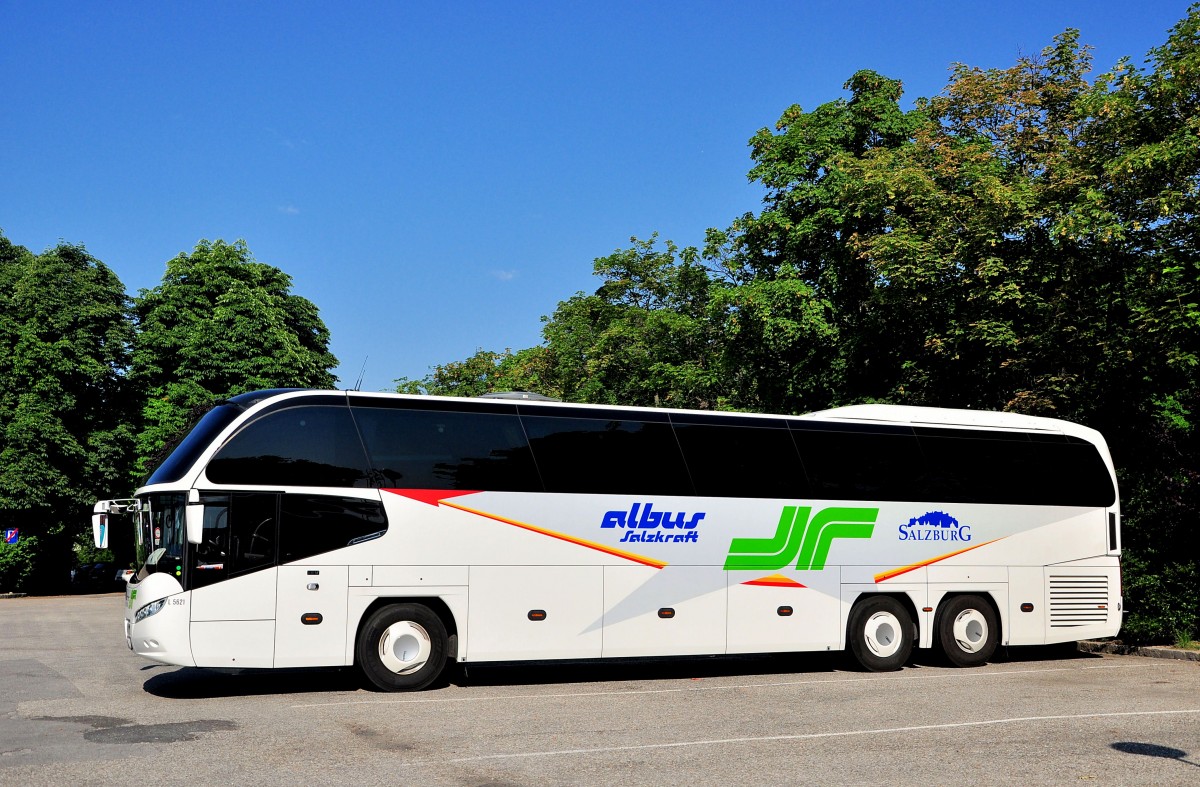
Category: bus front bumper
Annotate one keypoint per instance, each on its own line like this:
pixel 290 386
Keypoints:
pixel 159 628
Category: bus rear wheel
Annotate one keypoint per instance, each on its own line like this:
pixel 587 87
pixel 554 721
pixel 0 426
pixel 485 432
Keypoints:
pixel 968 631
pixel 402 647
pixel 881 634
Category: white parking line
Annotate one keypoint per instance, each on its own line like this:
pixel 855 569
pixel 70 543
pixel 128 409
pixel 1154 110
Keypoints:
pixel 956 675
pixel 800 737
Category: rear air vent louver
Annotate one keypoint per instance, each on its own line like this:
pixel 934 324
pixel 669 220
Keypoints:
pixel 1078 601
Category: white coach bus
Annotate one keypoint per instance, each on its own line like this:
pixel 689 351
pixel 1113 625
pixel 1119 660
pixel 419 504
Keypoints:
pixel 297 528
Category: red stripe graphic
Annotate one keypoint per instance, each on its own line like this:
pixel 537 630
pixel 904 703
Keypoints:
pixel 430 496
pixel 775 581
pixel 895 572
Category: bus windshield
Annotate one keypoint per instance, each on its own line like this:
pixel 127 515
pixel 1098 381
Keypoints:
pixel 160 535
pixel 193 444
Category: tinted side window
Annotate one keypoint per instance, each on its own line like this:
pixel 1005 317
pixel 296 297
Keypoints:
pixel 210 558
pixel 1083 477
pixel 428 449
pixel 1013 469
pixel 312 524
pixel 859 465
pixel 239 536
pixel 300 446
pixel 600 456
pixel 742 461
pixel 964 469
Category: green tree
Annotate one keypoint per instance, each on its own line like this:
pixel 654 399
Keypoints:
pixel 485 372
pixel 999 303
pixel 1030 245
pixel 220 324
pixel 779 348
pixel 806 230
pixel 65 431
pixel 1144 147
pixel 645 336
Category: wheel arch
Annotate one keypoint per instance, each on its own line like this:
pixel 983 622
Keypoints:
pixel 986 595
pixel 905 599
pixel 433 603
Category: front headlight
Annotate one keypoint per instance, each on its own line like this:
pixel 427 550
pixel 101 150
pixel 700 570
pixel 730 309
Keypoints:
pixel 150 609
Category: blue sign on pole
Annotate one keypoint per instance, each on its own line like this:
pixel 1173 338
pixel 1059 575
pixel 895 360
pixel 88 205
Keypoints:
pixel 11 536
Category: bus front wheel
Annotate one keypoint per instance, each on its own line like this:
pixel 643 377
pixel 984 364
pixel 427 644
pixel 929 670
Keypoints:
pixel 402 647
pixel 881 634
pixel 968 631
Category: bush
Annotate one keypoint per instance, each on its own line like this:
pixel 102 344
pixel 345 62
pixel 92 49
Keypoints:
pixel 17 564
pixel 1160 600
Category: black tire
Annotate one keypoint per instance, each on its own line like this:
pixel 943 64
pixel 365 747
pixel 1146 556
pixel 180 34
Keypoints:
pixel 401 647
pixel 968 631
pixel 881 634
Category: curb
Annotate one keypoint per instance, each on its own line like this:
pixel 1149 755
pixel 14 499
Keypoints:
pixel 1095 646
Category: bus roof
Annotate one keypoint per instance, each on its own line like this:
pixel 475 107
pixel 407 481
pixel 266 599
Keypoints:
pixel 858 413
pixel 940 416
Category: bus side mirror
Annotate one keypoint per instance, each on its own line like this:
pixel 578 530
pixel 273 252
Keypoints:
pixel 195 517
pixel 100 524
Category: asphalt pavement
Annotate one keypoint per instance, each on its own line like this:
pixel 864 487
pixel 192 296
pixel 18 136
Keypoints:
pixel 76 707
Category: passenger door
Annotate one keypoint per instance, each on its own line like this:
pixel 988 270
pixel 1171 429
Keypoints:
pixel 233 576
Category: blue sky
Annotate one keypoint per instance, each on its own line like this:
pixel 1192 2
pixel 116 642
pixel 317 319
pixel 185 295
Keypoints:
pixel 438 176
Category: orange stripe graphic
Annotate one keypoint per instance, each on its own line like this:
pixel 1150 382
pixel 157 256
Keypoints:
pixel 775 581
pixel 895 572
pixel 645 561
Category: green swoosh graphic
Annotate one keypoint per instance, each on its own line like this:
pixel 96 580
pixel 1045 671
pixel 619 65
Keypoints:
pixel 812 541
pixel 769 553
pixel 831 523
